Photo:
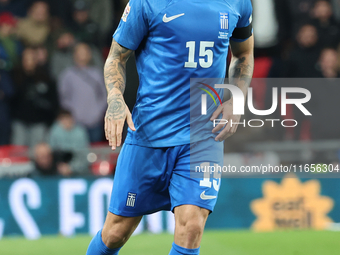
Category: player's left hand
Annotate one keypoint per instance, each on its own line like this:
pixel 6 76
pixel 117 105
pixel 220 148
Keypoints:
pixel 227 114
pixel 117 113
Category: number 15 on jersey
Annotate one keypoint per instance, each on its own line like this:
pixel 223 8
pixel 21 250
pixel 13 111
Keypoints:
pixel 206 54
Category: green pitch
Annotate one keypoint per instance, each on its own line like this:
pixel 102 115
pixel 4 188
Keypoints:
pixel 213 243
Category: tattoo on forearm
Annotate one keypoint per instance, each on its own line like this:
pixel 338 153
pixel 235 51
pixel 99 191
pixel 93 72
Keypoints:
pixel 241 70
pixel 116 108
pixel 115 77
pixel 115 68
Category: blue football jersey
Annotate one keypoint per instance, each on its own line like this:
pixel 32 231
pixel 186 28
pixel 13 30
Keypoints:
pixel 174 41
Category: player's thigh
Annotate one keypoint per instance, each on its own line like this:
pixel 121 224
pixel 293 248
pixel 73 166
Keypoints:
pixel 117 229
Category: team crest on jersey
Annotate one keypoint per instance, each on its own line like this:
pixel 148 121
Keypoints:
pixel 224 20
pixel 224 25
pixel 131 199
pixel 126 12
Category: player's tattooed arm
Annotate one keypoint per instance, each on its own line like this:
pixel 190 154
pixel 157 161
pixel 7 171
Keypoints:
pixel 240 74
pixel 115 68
pixel 242 64
pixel 115 78
pixel 116 107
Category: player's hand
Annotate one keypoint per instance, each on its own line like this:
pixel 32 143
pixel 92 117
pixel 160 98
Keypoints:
pixel 227 114
pixel 116 114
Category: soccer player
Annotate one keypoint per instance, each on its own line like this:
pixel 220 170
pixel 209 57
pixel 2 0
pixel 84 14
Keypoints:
pixel 173 42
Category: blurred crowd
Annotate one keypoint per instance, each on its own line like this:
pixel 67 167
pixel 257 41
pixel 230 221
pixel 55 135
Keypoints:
pixel 52 93
pixel 301 37
pixel 295 39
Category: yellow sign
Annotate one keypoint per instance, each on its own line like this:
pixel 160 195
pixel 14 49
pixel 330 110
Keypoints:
pixel 291 205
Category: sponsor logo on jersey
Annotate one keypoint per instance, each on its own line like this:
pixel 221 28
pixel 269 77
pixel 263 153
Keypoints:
pixel 131 199
pixel 168 19
pixel 126 12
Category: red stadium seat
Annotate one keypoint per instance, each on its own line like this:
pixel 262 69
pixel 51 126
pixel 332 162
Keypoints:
pixel 106 160
pixel 14 154
pixel 261 70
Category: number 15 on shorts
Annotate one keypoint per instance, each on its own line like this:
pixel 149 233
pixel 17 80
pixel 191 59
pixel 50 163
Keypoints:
pixel 211 175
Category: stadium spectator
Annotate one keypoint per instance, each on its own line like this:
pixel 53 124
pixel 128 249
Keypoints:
pixel 35 29
pixel 62 56
pixel 10 48
pixel 101 12
pixel 293 13
pixel 68 138
pixel 328 28
pixel 82 92
pixel 35 102
pixel 41 53
pixel 61 10
pixel 302 63
pixel 304 57
pixel 329 64
pixel 44 161
pixel 6 92
pixel 16 7
pixel 84 29
pixel 49 163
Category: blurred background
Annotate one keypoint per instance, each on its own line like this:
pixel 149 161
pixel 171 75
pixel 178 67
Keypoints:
pixel 55 165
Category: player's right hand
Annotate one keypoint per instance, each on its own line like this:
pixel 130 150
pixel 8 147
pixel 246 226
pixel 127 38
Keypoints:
pixel 116 114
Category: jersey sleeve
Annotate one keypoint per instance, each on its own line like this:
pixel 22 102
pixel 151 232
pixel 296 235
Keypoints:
pixel 133 26
pixel 244 27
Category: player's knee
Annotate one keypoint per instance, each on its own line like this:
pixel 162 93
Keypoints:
pixel 194 231
pixel 118 229
pixel 115 238
pixel 191 230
